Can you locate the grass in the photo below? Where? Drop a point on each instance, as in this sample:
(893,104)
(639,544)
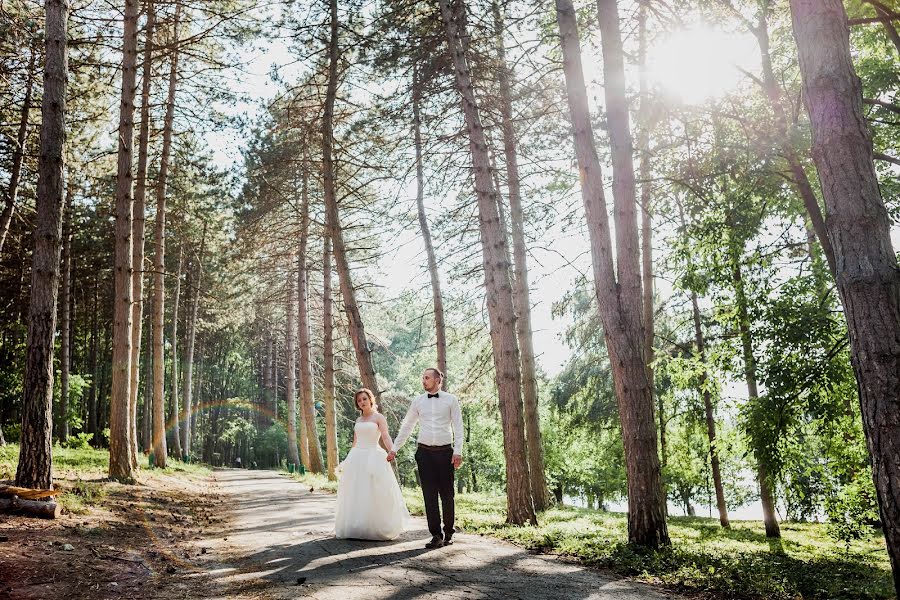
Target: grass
(704,558)
(736,563)
(82,473)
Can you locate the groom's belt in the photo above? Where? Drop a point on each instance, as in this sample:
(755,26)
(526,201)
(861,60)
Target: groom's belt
(433,448)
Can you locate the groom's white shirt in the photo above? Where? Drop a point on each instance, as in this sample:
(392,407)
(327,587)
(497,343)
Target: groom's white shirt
(436,417)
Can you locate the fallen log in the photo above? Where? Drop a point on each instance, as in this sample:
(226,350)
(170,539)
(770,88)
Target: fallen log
(27,493)
(31,508)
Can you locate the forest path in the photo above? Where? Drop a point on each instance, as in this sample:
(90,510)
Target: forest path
(278,532)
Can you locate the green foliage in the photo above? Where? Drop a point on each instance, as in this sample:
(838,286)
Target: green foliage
(851,512)
(79,441)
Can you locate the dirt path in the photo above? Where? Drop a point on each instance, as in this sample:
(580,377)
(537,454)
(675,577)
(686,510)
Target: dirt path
(279,535)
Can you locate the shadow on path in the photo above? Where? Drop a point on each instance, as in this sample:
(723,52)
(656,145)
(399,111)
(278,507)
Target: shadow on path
(279,544)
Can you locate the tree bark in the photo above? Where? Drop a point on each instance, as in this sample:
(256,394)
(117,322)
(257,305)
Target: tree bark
(766,495)
(495,262)
(174,404)
(65,339)
(147,420)
(619,302)
(160,450)
(351,307)
(93,366)
(331,443)
(138,225)
(15,175)
(291,368)
(440,327)
(35,466)
(867,276)
(644,174)
(307,405)
(189,352)
(121,460)
(540,492)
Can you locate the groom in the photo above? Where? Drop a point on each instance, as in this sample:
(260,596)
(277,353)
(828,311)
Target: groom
(438,453)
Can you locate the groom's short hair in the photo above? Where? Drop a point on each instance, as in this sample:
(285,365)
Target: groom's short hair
(437,372)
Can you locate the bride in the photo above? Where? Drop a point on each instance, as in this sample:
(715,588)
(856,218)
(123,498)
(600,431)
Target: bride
(370,505)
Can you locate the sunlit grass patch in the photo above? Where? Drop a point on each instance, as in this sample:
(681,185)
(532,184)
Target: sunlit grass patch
(316,481)
(737,563)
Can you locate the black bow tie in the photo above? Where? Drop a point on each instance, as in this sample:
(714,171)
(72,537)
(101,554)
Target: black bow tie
(434,395)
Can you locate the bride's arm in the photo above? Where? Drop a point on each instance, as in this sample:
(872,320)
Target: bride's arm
(385,435)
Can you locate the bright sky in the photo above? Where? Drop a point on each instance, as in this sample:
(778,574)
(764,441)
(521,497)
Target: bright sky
(683,64)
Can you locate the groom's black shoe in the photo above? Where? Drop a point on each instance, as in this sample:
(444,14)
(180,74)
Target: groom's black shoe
(448,539)
(436,542)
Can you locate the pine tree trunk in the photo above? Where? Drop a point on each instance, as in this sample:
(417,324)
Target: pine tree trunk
(331,443)
(15,175)
(440,326)
(619,302)
(35,468)
(174,404)
(92,420)
(147,419)
(501,310)
(307,405)
(121,460)
(160,450)
(65,338)
(766,495)
(291,368)
(644,175)
(189,353)
(859,226)
(138,225)
(521,293)
(348,292)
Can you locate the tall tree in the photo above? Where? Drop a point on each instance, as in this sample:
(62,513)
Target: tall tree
(351,307)
(291,367)
(618,294)
(521,292)
(15,174)
(307,406)
(495,262)
(140,219)
(859,227)
(35,468)
(188,394)
(121,460)
(174,403)
(65,339)
(160,451)
(440,326)
(331,445)
(766,494)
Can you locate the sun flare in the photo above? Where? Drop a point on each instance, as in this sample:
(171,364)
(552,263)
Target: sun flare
(701,62)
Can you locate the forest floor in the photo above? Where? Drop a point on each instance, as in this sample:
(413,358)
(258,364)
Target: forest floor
(112,540)
(188,532)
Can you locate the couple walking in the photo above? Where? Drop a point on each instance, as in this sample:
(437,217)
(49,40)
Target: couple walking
(370,505)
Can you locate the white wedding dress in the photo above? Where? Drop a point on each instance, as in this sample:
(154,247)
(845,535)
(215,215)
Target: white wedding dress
(370,505)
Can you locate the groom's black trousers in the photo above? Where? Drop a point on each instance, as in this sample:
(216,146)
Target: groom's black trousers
(436,474)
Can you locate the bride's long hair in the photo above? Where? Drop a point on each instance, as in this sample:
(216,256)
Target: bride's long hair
(368,393)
